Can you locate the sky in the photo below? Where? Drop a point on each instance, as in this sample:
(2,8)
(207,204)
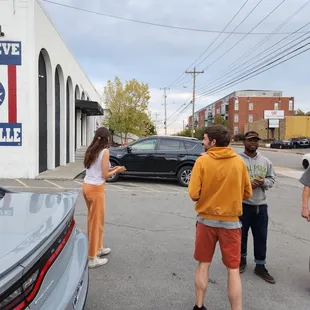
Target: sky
(159,56)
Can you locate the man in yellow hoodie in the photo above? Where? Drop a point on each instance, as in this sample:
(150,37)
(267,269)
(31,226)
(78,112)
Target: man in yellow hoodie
(219,183)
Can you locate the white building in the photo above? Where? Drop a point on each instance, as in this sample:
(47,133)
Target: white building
(48,106)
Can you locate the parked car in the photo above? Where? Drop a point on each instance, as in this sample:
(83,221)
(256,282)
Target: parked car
(43,256)
(305,160)
(158,156)
(281,144)
(300,142)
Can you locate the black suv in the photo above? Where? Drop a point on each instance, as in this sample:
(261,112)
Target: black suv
(158,156)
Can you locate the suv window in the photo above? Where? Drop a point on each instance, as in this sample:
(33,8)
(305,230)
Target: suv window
(189,145)
(144,145)
(171,145)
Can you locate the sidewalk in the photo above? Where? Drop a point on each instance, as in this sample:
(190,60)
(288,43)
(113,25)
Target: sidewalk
(292,151)
(288,172)
(68,172)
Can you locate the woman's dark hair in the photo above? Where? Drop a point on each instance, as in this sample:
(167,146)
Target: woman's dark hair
(100,142)
(219,133)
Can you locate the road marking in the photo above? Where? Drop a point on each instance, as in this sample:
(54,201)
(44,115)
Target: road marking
(171,188)
(140,186)
(47,181)
(118,187)
(38,187)
(22,183)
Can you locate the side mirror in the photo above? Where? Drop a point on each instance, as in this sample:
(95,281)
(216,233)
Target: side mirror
(129,149)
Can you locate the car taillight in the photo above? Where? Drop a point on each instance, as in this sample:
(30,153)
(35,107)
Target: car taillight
(19,296)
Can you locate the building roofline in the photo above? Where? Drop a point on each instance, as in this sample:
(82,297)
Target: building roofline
(236,91)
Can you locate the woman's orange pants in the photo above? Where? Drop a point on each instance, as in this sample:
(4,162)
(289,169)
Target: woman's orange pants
(95,201)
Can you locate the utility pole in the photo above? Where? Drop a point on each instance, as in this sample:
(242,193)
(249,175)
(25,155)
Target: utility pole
(156,120)
(165,104)
(194,74)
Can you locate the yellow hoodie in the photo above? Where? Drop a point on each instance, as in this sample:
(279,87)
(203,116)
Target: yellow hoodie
(219,182)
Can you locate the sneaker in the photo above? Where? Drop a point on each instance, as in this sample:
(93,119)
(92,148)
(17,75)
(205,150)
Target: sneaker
(96,262)
(202,308)
(103,251)
(262,272)
(242,264)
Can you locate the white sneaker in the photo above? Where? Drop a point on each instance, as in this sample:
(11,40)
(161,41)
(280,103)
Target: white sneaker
(103,251)
(96,262)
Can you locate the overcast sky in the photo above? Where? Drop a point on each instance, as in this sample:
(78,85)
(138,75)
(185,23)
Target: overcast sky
(106,47)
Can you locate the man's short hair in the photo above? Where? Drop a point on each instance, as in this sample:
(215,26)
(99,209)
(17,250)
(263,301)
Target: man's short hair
(219,133)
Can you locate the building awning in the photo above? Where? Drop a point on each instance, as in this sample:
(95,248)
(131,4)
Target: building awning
(89,107)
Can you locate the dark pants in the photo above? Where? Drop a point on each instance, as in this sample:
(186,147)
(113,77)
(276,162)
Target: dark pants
(255,217)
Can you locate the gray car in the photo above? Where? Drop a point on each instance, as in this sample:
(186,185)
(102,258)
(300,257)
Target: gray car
(43,256)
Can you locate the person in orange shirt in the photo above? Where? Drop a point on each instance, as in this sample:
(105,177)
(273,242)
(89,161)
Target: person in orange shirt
(218,185)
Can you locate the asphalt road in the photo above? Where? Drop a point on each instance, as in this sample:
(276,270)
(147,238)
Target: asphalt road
(151,228)
(280,158)
(152,239)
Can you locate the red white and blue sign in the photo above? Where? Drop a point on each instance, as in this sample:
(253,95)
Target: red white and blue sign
(10,53)
(2,93)
(10,129)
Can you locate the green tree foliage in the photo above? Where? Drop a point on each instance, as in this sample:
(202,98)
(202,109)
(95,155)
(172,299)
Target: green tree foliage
(150,129)
(128,105)
(199,132)
(221,121)
(300,112)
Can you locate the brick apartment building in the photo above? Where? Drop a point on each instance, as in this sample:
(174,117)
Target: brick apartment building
(242,107)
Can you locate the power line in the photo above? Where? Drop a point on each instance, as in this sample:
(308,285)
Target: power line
(248,33)
(253,9)
(180,113)
(223,74)
(246,17)
(233,18)
(154,24)
(256,72)
(263,59)
(245,35)
(235,72)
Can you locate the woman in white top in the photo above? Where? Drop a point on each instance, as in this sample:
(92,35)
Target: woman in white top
(98,170)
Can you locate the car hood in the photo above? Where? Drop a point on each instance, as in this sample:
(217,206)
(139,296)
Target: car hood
(27,220)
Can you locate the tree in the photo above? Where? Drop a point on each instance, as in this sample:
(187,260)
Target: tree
(221,121)
(128,105)
(199,132)
(300,112)
(150,129)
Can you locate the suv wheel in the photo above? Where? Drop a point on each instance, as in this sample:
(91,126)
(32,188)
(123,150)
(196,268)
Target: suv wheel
(305,163)
(114,177)
(184,175)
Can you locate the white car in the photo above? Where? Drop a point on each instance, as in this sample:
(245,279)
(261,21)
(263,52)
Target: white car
(305,160)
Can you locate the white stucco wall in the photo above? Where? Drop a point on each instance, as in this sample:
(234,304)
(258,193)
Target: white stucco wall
(26,21)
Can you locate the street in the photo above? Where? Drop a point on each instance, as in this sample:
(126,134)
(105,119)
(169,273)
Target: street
(150,227)
(280,158)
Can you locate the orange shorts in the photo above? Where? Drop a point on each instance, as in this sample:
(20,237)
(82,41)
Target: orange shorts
(230,244)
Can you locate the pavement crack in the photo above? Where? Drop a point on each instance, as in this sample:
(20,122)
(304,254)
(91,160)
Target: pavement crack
(284,232)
